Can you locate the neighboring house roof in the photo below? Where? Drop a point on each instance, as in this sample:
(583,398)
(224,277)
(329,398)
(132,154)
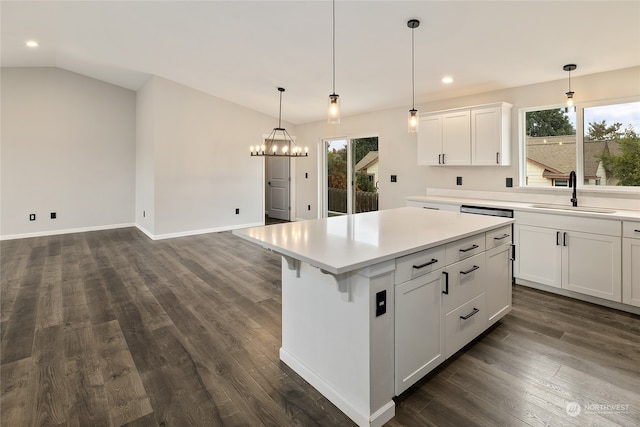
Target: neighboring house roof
(367,161)
(557,154)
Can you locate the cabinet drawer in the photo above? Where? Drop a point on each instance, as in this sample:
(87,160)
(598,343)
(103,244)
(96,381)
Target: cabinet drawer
(631,229)
(464,324)
(423,262)
(465,281)
(465,248)
(500,236)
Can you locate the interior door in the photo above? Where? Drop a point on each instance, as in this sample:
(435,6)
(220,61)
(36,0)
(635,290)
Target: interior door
(277,189)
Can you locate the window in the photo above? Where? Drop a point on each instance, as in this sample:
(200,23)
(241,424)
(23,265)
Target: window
(600,142)
(611,145)
(550,144)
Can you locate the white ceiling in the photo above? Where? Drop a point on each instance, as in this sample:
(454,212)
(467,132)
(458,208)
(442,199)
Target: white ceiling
(242,51)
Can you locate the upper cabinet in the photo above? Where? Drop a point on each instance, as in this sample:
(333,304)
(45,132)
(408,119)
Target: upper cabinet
(467,136)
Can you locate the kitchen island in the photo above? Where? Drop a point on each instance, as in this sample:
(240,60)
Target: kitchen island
(372,302)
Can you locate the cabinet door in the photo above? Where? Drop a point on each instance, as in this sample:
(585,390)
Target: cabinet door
(538,255)
(631,271)
(430,140)
(486,134)
(456,138)
(592,264)
(498,280)
(419,343)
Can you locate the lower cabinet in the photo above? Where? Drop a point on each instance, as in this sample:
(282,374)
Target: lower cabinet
(418,328)
(498,280)
(631,263)
(464,324)
(578,254)
(439,311)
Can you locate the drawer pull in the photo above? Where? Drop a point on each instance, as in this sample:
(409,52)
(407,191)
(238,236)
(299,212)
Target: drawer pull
(637,231)
(474,311)
(469,249)
(474,268)
(433,261)
(500,238)
(557,238)
(429,207)
(446,283)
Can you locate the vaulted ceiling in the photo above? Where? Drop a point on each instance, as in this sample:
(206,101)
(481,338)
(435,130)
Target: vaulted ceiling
(241,51)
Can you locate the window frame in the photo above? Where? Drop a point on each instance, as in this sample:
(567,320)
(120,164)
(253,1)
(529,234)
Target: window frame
(579,167)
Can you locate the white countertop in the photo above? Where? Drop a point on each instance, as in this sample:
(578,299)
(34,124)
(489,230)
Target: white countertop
(345,243)
(615,214)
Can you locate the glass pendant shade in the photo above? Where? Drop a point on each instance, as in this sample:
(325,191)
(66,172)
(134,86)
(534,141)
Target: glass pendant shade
(413,121)
(569,99)
(333,115)
(569,68)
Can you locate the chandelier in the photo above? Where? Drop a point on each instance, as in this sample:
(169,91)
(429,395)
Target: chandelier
(279,143)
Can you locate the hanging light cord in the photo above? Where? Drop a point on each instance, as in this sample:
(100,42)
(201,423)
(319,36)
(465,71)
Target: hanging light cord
(280,109)
(334,46)
(413,72)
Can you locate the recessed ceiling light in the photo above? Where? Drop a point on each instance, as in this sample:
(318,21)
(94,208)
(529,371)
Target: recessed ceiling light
(32,43)
(447,79)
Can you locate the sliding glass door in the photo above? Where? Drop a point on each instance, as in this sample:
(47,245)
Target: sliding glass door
(351,167)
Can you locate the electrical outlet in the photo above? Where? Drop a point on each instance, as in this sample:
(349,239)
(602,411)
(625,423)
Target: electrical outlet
(394,178)
(509,182)
(237,211)
(32,217)
(53,215)
(458,180)
(381,303)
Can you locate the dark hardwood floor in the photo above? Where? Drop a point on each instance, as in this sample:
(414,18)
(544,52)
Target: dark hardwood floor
(110,328)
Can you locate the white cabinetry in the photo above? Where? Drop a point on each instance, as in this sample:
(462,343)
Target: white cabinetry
(631,263)
(441,300)
(477,135)
(490,139)
(456,137)
(418,329)
(498,274)
(574,253)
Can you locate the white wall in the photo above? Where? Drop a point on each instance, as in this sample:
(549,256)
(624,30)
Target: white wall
(398,148)
(145,167)
(202,170)
(67,146)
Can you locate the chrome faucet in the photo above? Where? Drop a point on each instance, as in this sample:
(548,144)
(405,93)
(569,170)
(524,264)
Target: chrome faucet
(573,183)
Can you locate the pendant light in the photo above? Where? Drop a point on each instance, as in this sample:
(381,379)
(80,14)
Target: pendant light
(279,143)
(334,99)
(569,68)
(413,113)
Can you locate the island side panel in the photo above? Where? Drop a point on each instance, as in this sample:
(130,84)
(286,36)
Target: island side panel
(334,340)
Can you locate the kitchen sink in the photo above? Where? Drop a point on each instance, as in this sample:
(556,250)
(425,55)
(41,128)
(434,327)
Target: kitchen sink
(575,208)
